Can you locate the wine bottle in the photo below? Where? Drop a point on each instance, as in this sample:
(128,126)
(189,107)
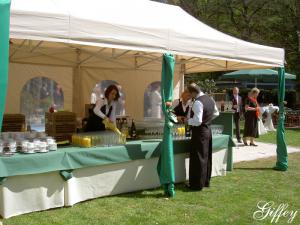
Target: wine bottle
(187,131)
(133,130)
(119,123)
(125,127)
(222,106)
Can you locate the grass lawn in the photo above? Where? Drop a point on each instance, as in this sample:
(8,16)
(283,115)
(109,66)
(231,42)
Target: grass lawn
(230,200)
(292,137)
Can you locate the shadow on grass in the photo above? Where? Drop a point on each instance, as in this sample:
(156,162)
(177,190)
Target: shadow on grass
(253,168)
(155,192)
(149,193)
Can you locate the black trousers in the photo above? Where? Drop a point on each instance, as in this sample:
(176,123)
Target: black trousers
(200,157)
(237,118)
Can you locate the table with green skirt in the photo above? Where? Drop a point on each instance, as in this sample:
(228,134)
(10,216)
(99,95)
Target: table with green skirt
(34,182)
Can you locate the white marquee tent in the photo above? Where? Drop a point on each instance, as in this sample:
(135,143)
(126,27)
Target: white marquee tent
(79,43)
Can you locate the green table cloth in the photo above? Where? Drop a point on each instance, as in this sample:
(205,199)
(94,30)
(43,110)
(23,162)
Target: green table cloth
(69,158)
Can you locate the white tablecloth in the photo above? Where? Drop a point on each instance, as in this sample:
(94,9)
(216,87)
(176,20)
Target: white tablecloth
(29,193)
(94,182)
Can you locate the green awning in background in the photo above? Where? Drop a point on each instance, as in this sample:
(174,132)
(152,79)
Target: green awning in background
(4,50)
(259,74)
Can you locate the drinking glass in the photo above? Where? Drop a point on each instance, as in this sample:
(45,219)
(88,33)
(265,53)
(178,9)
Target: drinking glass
(25,145)
(12,145)
(182,132)
(176,132)
(5,135)
(30,147)
(1,146)
(105,143)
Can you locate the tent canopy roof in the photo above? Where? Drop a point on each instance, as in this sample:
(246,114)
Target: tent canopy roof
(138,26)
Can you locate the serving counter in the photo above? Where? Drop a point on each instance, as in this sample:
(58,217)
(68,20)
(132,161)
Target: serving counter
(34,182)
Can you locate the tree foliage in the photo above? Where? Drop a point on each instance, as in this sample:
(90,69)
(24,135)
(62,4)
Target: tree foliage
(269,22)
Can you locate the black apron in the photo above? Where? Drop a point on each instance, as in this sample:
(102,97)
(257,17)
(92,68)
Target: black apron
(94,122)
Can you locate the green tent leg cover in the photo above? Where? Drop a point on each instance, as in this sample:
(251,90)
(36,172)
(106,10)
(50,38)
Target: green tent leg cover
(165,167)
(4,49)
(282,157)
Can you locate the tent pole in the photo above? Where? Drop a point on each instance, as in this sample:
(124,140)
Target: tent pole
(76,86)
(182,72)
(282,156)
(4,53)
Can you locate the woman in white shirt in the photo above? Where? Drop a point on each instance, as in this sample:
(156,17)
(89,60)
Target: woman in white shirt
(104,109)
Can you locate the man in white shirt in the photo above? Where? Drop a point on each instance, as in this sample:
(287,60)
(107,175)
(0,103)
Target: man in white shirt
(204,110)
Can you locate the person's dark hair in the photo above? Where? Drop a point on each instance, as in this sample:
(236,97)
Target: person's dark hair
(193,88)
(109,89)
